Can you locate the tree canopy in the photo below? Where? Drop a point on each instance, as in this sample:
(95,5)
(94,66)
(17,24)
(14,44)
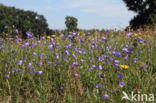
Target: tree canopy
(12,18)
(71,23)
(146,12)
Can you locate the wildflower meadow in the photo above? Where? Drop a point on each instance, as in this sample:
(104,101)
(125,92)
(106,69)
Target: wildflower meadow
(78,67)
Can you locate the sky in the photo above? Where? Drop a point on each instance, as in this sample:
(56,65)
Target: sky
(91,14)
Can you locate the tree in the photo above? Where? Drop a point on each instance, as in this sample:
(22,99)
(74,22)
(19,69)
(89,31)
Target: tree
(71,23)
(145,10)
(12,18)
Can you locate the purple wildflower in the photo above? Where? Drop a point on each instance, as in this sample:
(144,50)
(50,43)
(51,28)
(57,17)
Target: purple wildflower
(101,58)
(40,63)
(76,75)
(121,84)
(74,56)
(43,37)
(66,47)
(16,31)
(39,72)
(105,97)
(20,62)
(70,37)
(130,48)
(7,76)
(110,59)
(18,70)
(109,47)
(34,44)
(141,40)
(19,40)
(34,54)
(30,65)
(91,68)
(67,52)
(88,33)
(61,88)
(116,65)
(30,47)
(57,44)
(81,40)
(56,30)
(9,61)
(138,30)
(103,38)
(145,66)
(50,47)
(62,36)
(120,76)
(84,51)
(116,61)
(117,54)
(12,70)
(51,39)
(98,85)
(22,46)
(81,60)
(57,55)
(10,39)
(74,34)
(69,45)
(113,52)
(100,67)
(29,35)
(26,44)
(129,34)
(125,50)
(75,64)
(56,63)
(41,55)
(107,31)
(39,41)
(80,52)
(134,60)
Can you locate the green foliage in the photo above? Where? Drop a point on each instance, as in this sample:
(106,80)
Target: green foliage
(12,18)
(146,12)
(71,23)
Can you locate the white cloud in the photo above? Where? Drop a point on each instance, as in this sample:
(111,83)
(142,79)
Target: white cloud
(110,11)
(106,8)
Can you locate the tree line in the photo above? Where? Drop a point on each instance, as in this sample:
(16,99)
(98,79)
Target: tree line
(12,18)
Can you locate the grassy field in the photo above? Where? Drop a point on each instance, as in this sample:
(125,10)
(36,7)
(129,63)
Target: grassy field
(78,68)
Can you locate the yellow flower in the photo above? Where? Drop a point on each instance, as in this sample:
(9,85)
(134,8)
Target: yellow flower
(135,34)
(6,34)
(124,66)
(48,37)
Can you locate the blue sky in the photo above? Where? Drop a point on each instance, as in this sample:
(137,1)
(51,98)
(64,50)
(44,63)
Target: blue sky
(90,13)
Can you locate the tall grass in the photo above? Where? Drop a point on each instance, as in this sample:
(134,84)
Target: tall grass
(82,68)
